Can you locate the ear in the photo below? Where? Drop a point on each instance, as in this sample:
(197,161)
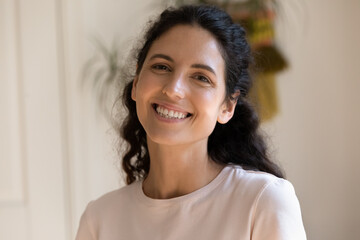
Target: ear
(133,90)
(227,109)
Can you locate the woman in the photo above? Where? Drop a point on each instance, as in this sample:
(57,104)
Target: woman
(191,134)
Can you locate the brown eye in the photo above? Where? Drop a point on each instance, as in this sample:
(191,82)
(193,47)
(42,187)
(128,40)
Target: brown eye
(202,78)
(161,67)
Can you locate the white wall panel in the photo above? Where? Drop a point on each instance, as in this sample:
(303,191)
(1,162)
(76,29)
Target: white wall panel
(34,188)
(14,221)
(45,146)
(11,122)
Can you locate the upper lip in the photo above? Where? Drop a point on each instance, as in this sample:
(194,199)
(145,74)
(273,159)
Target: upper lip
(171,107)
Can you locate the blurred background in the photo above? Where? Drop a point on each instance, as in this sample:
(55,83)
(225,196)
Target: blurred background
(58,150)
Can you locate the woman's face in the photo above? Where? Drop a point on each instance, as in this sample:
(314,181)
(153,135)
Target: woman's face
(180,90)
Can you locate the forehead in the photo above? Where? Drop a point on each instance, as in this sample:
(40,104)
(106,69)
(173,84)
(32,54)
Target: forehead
(188,43)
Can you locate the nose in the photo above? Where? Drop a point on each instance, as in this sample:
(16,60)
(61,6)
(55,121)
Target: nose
(175,87)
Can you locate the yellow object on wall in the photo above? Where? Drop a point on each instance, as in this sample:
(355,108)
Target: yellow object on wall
(264,95)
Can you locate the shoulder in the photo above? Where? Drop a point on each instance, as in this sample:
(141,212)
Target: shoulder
(101,211)
(257,182)
(267,190)
(111,202)
(275,207)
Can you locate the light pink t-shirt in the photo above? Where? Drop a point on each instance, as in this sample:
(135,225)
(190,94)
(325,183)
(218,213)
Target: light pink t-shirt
(238,204)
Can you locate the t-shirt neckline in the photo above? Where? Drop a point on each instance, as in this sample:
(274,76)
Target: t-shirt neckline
(187,197)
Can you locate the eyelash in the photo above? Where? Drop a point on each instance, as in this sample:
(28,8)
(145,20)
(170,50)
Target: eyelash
(202,78)
(161,67)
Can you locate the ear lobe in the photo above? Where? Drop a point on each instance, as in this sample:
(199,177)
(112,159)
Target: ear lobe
(133,90)
(227,109)
(226,112)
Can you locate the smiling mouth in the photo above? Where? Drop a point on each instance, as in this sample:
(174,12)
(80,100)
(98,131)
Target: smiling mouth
(170,114)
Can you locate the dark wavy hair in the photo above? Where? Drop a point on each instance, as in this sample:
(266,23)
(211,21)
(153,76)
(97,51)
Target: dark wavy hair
(238,141)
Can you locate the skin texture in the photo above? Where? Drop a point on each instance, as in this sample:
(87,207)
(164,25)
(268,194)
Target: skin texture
(183,72)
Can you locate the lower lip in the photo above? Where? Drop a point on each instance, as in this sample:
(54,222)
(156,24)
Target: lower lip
(168,120)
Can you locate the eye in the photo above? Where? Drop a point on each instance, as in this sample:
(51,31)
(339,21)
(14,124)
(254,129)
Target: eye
(202,78)
(161,67)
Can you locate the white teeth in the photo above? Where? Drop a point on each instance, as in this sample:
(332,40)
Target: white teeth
(169,113)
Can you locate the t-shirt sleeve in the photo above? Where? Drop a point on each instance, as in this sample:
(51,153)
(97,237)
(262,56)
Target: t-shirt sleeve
(277,213)
(86,226)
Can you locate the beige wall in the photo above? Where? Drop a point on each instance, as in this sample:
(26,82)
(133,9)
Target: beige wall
(316,135)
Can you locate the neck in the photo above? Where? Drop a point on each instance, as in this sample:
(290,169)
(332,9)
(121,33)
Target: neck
(178,170)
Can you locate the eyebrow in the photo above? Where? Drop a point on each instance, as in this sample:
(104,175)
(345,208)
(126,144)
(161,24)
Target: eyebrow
(196,65)
(159,55)
(203,66)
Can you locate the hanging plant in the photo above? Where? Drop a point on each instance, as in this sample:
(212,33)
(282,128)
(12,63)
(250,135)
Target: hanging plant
(101,72)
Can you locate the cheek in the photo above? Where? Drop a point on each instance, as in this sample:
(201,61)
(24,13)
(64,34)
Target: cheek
(145,89)
(211,102)
(209,106)
(146,84)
